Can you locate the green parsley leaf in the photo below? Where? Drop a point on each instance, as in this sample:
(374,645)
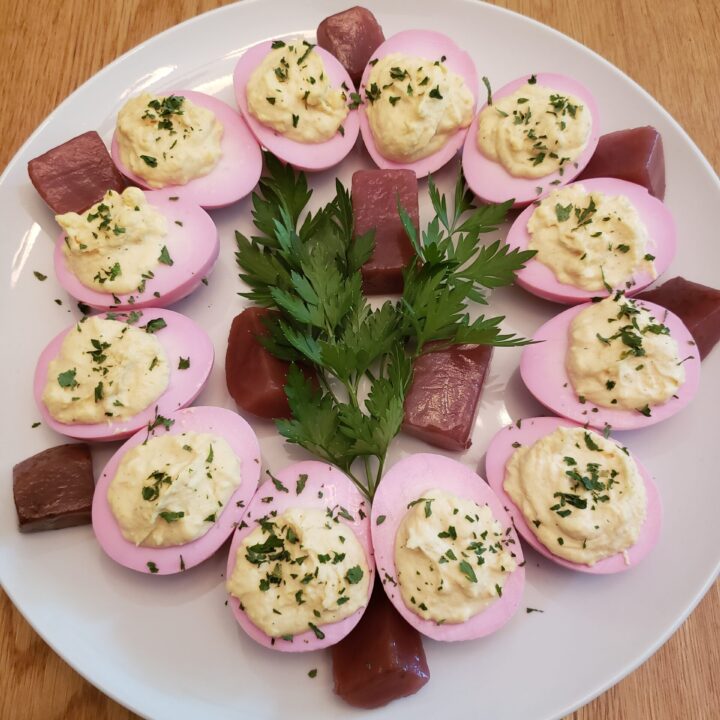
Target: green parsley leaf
(354,575)
(467,570)
(154,325)
(165,258)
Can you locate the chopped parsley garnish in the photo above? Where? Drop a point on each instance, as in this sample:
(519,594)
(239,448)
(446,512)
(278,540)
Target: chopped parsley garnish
(309,47)
(645,410)
(154,325)
(149,160)
(39,275)
(183,363)
(164,257)
(590,443)
(467,570)
(67,379)
(563,213)
(486,82)
(380,520)
(354,575)
(170,516)
(278,485)
(373,93)
(277,44)
(152,567)
(319,634)
(435,93)
(300,484)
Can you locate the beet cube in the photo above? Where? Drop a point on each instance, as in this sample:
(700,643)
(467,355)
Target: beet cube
(442,402)
(375,196)
(352,36)
(54,489)
(698,306)
(634,155)
(381,660)
(75,175)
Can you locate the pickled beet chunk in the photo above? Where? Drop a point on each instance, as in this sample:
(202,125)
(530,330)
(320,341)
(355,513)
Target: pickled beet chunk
(74,176)
(54,489)
(634,155)
(255,378)
(698,306)
(382,659)
(352,36)
(443,399)
(375,196)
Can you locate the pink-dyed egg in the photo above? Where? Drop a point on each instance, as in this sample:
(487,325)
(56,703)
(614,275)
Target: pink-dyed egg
(180,338)
(530,431)
(321,486)
(193,246)
(305,156)
(540,280)
(404,483)
(492,183)
(542,368)
(236,173)
(431,45)
(176,558)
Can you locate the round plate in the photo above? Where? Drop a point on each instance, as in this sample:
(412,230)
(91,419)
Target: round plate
(107,621)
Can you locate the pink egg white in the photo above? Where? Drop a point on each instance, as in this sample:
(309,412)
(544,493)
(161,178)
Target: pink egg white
(236,173)
(308,484)
(530,430)
(433,46)
(542,368)
(180,338)
(492,183)
(403,484)
(192,244)
(305,156)
(178,558)
(540,280)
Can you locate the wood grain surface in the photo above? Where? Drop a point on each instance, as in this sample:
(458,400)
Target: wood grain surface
(669,46)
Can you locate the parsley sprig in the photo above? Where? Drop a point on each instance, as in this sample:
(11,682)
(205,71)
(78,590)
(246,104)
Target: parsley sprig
(307,266)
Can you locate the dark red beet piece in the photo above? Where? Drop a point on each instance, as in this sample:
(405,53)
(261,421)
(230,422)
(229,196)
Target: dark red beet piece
(255,378)
(442,402)
(375,195)
(75,175)
(381,660)
(352,36)
(54,488)
(698,306)
(634,155)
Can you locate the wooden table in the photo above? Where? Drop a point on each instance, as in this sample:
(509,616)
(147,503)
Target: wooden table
(49,47)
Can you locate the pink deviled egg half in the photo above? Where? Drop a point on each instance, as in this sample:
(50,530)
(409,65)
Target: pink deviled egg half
(432,46)
(304,156)
(236,173)
(177,558)
(193,246)
(180,337)
(492,183)
(529,431)
(403,484)
(540,280)
(542,368)
(307,484)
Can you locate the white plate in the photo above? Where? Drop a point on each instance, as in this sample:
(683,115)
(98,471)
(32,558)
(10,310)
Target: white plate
(168,647)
